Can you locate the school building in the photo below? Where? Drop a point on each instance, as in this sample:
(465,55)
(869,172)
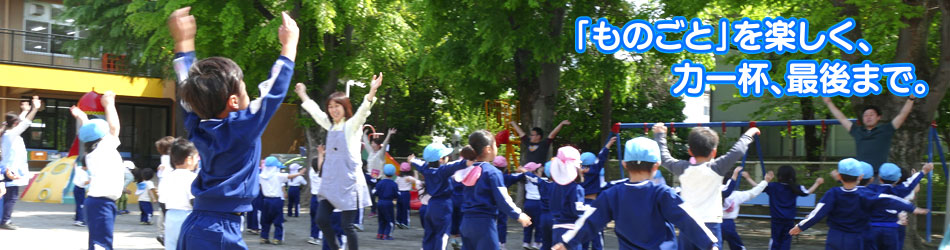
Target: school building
(33,61)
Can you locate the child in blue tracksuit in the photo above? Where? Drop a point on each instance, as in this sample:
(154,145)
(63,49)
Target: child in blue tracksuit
(438,215)
(567,197)
(458,197)
(545,186)
(643,211)
(849,208)
(386,191)
(593,168)
(783,197)
(101,140)
(272,183)
(253,217)
(885,233)
(510,179)
(226,128)
(293,192)
(485,195)
(532,206)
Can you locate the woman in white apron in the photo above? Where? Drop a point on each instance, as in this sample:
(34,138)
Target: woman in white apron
(343,186)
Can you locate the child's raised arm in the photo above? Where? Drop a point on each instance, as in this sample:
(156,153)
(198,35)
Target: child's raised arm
(288,34)
(814,187)
(747,177)
(182,26)
(78,114)
(666,159)
(112,117)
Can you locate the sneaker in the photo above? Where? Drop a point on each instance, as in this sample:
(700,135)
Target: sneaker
(387,237)
(277,242)
(359,228)
(313,241)
(402,226)
(124,212)
(372,215)
(79,224)
(265,241)
(526,246)
(254,231)
(160,239)
(9,226)
(379,236)
(503,247)
(536,245)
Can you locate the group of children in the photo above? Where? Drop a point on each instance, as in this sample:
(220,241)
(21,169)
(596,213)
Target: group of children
(216,179)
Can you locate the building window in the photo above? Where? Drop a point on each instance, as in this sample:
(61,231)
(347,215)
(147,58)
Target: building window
(46,34)
(54,128)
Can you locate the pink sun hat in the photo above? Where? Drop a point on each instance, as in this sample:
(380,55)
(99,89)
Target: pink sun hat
(565,165)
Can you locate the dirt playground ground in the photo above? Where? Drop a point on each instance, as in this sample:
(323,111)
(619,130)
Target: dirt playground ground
(49,226)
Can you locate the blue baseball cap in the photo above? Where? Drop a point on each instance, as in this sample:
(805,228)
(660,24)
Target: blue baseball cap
(850,166)
(547,169)
(434,152)
(389,169)
(271,161)
(890,172)
(867,170)
(588,158)
(641,149)
(93,130)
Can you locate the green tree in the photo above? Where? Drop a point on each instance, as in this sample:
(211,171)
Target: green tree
(908,32)
(341,40)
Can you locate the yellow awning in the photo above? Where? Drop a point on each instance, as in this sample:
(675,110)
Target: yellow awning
(78,81)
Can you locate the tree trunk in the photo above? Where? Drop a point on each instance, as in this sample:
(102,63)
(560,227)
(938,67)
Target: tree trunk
(813,147)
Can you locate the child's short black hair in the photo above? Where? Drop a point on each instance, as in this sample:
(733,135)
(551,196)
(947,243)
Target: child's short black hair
(164,144)
(209,84)
(181,149)
(702,141)
(864,182)
(144,174)
(637,167)
(848,178)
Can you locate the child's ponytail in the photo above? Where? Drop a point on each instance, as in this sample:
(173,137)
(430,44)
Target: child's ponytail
(468,153)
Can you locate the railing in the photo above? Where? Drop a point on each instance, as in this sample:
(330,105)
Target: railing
(48,50)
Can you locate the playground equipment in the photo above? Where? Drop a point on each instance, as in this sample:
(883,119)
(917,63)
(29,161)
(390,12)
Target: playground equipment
(933,144)
(54,182)
(500,114)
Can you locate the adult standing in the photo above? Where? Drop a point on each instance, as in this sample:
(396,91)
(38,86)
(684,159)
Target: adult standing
(343,186)
(536,147)
(873,138)
(15,156)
